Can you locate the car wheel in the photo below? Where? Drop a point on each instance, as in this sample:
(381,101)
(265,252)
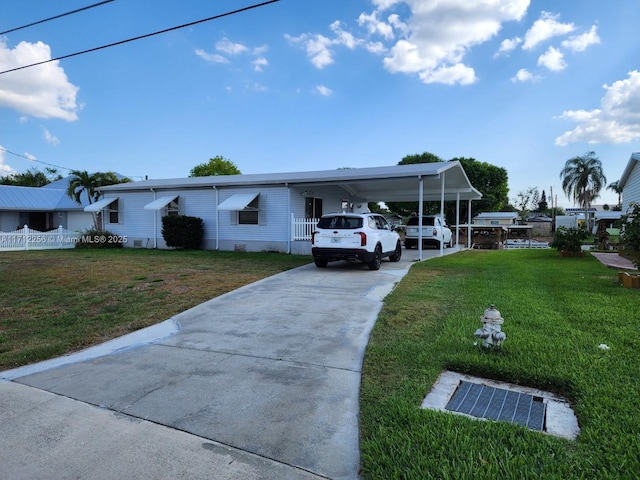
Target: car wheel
(377,259)
(321,262)
(397,254)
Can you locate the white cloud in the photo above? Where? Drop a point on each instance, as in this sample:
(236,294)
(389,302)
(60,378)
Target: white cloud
(617,121)
(211,57)
(507,46)
(42,91)
(580,43)
(553,59)
(230,48)
(430,41)
(4,168)
(524,75)
(546,27)
(258,63)
(324,91)
(51,139)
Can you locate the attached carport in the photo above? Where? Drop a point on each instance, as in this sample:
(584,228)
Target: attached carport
(442,181)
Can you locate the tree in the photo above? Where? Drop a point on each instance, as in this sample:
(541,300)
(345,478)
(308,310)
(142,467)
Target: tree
(615,186)
(582,179)
(543,206)
(215,166)
(526,200)
(490,180)
(31,178)
(84,182)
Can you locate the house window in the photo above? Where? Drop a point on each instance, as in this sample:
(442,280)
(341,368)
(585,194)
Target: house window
(173,207)
(251,213)
(113,212)
(313,207)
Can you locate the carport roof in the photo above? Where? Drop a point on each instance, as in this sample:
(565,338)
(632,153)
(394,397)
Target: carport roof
(392,184)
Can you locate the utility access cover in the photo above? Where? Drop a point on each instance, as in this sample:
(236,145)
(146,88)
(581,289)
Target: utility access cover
(486,399)
(493,403)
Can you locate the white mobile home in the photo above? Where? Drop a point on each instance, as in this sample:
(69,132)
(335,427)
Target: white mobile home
(630,182)
(270,212)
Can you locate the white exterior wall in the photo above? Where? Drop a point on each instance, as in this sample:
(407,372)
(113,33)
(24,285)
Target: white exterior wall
(79,221)
(631,192)
(9,221)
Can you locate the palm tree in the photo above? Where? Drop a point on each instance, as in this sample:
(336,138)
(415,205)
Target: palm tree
(84,182)
(582,179)
(615,186)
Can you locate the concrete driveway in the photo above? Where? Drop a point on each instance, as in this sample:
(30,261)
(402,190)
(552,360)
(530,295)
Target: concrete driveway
(260,383)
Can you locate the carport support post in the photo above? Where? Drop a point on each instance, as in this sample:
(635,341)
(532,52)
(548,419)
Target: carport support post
(420,210)
(457,218)
(469,224)
(442,213)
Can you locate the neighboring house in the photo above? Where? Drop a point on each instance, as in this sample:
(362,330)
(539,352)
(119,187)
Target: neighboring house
(270,212)
(496,218)
(630,182)
(41,208)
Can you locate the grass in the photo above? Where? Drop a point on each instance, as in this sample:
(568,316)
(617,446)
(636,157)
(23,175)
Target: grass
(556,314)
(58,301)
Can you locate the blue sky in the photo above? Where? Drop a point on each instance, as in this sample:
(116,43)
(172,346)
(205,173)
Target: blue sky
(303,85)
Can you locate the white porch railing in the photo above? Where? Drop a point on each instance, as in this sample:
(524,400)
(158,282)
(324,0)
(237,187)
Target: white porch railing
(28,239)
(301,228)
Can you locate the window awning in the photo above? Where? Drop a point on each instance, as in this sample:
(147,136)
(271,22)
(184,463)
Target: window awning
(238,201)
(100,204)
(160,203)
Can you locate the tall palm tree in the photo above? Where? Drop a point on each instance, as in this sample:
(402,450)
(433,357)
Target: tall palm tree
(582,179)
(615,186)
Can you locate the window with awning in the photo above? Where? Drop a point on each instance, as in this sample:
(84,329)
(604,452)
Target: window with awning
(169,202)
(100,204)
(238,201)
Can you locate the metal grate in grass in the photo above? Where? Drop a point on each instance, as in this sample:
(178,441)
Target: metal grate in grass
(492,403)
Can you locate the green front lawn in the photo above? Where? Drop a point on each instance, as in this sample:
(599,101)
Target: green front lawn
(557,311)
(56,301)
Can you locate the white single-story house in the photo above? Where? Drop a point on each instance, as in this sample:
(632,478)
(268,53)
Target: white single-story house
(496,218)
(270,212)
(41,208)
(630,182)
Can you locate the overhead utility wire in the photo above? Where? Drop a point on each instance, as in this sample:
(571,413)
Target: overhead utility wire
(33,159)
(57,16)
(144,36)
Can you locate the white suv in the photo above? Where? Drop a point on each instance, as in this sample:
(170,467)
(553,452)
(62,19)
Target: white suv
(434,231)
(363,237)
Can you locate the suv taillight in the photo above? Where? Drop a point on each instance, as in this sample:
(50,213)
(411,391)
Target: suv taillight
(363,238)
(313,238)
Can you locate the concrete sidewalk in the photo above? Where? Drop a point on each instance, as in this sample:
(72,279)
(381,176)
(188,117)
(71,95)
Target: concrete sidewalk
(259,383)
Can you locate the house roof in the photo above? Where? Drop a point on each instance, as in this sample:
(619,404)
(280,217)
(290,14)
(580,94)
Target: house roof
(635,158)
(395,183)
(498,215)
(36,199)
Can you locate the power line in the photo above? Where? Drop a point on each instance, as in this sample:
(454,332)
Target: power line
(144,36)
(33,159)
(57,16)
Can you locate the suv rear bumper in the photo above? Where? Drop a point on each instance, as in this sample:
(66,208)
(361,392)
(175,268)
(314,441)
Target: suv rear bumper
(350,254)
(413,242)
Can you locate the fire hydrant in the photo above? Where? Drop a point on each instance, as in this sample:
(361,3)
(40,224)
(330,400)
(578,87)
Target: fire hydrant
(491,332)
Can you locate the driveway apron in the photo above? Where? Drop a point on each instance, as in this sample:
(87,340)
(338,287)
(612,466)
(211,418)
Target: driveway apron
(271,369)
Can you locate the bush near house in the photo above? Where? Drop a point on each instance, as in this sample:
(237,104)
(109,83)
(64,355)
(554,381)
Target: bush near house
(569,239)
(94,238)
(182,231)
(630,233)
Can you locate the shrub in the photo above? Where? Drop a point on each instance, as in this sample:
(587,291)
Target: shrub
(630,233)
(94,238)
(569,239)
(182,231)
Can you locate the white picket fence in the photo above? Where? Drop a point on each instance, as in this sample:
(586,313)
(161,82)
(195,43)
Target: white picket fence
(28,239)
(301,228)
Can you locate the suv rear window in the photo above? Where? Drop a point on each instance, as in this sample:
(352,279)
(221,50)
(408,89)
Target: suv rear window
(340,222)
(426,221)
